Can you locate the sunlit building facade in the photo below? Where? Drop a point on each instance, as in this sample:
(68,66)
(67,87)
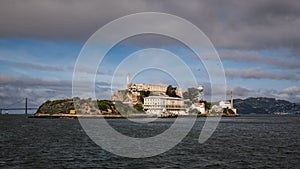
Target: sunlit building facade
(159,105)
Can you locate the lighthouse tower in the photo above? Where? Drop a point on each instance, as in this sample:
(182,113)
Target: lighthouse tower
(128,80)
(231,99)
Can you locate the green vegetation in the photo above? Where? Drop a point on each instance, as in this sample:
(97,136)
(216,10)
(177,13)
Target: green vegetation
(171,91)
(192,94)
(56,106)
(55,111)
(188,103)
(227,111)
(143,94)
(64,106)
(194,111)
(208,105)
(138,107)
(54,102)
(89,106)
(104,105)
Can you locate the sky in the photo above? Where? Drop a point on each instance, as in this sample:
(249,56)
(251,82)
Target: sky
(258,42)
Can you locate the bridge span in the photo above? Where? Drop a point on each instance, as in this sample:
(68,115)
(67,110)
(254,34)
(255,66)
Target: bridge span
(26,108)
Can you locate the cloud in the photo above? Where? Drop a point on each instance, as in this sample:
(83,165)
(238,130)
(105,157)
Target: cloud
(241,28)
(291,94)
(61,20)
(43,67)
(258,73)
(37,90)
(283,62)
(291,91)
(241,24)
(40,67)
(90,71)
(30,82)
(239,91)
(13,89)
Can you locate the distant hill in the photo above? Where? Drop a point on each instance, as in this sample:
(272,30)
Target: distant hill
(262,105)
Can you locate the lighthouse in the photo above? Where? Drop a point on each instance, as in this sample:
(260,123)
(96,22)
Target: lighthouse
(231,99)
(128,79)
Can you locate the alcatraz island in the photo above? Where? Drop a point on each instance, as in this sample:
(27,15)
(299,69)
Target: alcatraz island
(139,100)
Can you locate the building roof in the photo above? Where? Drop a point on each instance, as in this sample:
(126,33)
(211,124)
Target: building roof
(164,97)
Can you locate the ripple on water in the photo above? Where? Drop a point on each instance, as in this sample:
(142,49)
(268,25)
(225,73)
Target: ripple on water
(243,142)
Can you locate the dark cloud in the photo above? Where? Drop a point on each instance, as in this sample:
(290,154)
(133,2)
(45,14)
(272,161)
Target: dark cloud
(13,89)
(37,90)
(258,73)
(20,82)
(256,24)
(66,20)
(283,62)
(240,26)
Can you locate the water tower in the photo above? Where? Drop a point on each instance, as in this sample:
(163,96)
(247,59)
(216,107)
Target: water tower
(200,93)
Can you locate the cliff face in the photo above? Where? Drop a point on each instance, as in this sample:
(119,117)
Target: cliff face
(261,105)
(128,96)
(121,95)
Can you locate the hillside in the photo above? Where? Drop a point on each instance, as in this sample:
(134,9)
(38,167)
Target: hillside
(262,105)
(87,106)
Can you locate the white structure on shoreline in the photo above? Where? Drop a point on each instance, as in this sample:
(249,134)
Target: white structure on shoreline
(225,104)
(200,93)
(160,105)
(228,104)
(199,106)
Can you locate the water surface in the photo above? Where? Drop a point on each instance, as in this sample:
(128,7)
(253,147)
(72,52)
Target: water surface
(242,142)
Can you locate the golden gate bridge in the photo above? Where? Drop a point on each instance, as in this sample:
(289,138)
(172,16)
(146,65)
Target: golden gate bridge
(25,108)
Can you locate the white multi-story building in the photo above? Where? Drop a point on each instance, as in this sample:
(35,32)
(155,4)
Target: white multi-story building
(160,105)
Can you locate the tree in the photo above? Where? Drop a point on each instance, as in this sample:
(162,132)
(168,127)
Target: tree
(138,107)
(143,94)
(103,105)
(171,91)
(192,94)
(208,105)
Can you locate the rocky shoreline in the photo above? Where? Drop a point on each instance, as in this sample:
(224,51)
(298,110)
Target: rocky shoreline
(87,116)
(39,115)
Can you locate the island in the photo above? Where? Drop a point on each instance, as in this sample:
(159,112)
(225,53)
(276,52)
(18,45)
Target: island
(140,100)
